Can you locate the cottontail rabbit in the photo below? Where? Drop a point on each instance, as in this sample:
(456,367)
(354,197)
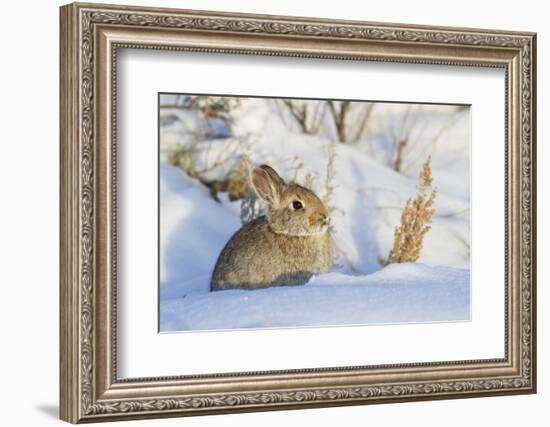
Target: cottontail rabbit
(285,247)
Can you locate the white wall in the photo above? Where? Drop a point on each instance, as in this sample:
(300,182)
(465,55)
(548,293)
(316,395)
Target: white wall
(29,212)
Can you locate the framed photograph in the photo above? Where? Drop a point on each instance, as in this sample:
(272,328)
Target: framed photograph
(267,212)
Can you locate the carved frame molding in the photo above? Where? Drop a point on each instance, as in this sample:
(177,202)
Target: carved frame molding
(90,37)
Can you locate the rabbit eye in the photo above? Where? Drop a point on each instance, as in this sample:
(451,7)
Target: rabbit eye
(297,205)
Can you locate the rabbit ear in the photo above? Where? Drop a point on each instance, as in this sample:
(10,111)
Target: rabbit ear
(267,184)
(273,175)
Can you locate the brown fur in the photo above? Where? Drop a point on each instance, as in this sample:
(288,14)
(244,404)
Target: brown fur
(286,247)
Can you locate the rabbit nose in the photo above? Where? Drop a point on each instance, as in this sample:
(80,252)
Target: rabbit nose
(325,220)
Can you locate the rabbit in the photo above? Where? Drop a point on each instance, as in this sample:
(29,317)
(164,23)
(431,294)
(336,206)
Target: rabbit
(287,246)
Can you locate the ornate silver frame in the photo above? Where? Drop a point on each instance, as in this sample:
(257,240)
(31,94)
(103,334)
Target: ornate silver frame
(90,36)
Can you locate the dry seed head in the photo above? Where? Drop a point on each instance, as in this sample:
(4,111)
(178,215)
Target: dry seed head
(416,219)
(425,178)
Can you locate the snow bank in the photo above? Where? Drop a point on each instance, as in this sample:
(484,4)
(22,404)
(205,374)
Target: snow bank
(193,230)
(397,294)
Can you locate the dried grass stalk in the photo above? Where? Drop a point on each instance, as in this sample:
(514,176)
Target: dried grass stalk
(416,220)
(329,182)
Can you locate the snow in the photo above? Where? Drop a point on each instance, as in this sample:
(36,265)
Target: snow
(191,223)
(367,202)
(396,294)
